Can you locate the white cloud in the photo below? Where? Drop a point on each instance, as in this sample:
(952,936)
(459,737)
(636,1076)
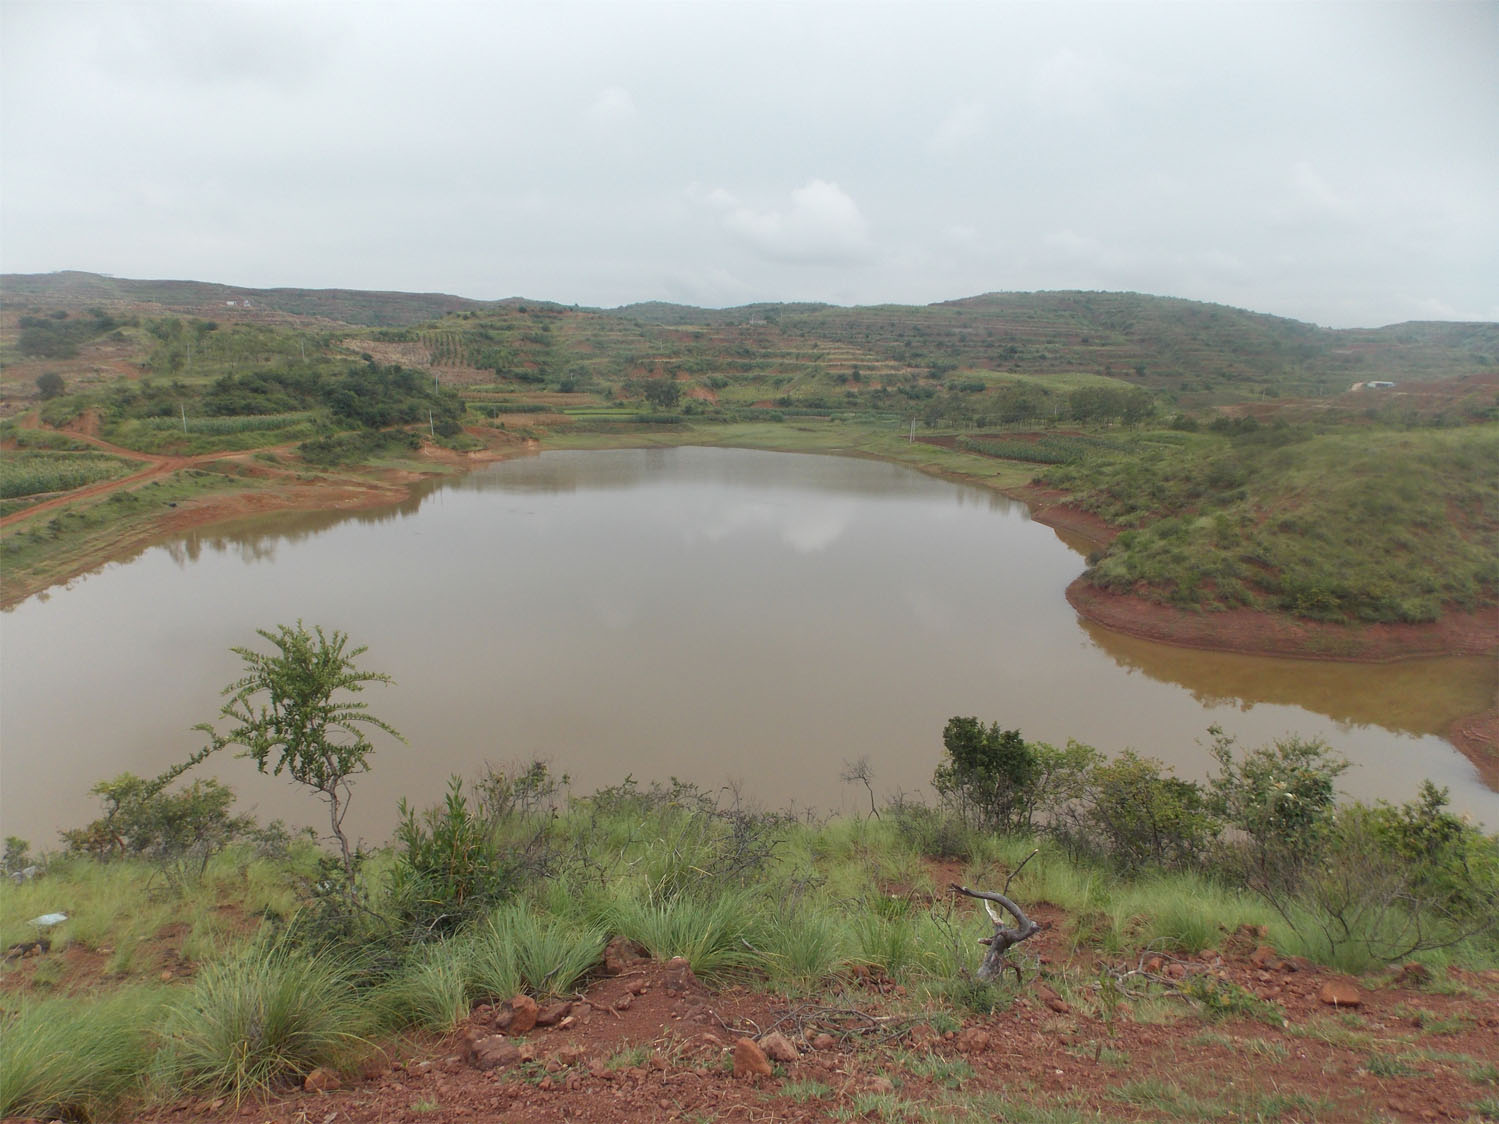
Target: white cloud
(822,226)
(963,124)
(613,106)
(1312,189)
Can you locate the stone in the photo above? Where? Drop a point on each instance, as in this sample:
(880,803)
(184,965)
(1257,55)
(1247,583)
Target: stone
(1339,993)
(824,1041)
(523,1012)
(493,1052)
(375,1066)
(974,1041)
(1413,974)
(621,954)
(1264,957)
(679,977)
(1154,965)
(779,1048)
(321,1080)
(553,1013)
(750,1060)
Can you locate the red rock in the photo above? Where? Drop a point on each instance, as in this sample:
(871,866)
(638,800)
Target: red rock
(1153,965)
(493,1052)
(553,1013)
(679,977)
(621,953)
(824,1041)
(974,1041)
(1339,993)
(374,1067)
(750,1060)
(321,1080)
(778,1048)
(523,1012)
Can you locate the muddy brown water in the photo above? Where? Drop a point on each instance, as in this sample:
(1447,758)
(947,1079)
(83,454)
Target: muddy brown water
(723,616)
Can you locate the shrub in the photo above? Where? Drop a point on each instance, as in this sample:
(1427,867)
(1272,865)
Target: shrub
(142,818)
(1280,797)
(1395,881)
(450,866)
(1140,817)
(988,775)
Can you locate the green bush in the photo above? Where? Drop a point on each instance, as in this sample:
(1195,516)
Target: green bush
(449,867)
(1140,818)
(1281,799)
(988,774)
(142,818)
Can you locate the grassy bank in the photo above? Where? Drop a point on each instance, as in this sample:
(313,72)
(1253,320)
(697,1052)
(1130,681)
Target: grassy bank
(190,964)
(1368,525)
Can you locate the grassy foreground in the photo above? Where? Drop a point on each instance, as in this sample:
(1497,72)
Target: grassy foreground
(278,967)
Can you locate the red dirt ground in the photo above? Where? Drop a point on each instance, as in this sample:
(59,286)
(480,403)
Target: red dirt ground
(1392,1048)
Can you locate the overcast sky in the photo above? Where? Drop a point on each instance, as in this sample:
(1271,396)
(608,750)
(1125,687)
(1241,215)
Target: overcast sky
(1337,163)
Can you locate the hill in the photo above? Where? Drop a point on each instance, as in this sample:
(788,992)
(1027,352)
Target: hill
(1193,352)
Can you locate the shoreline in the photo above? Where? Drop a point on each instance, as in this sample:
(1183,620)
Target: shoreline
(1236,631)
(1253,633)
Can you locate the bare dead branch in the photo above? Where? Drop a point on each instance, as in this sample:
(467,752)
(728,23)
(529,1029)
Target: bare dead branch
(1004,937)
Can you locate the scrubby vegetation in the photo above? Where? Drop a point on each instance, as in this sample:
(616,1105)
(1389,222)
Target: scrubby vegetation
(1227,446)
(1342,525)
(513,885)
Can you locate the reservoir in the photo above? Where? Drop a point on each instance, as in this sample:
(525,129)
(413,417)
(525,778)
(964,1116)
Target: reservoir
(733,618)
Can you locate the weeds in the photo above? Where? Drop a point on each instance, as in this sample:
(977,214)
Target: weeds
(269,1014)
(76,1059)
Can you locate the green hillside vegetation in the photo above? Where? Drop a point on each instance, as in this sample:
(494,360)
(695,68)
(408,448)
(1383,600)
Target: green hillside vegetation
(1366,525)
(1226,443)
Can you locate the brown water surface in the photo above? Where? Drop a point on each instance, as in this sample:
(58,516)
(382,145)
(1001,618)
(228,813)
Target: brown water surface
(716,615)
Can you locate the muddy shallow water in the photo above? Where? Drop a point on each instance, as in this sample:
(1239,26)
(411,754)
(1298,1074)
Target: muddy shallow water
(717,615)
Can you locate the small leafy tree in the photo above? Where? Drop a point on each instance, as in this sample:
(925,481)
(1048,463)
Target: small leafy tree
(1141,816)
(49,385)
(292,715)
(1282,798)
(988,774)
(142,818)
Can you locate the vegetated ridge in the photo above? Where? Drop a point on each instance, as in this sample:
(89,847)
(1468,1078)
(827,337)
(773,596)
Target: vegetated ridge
(1248,482)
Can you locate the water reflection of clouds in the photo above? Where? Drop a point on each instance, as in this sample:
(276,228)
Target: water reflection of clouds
(807,528)
(932,611)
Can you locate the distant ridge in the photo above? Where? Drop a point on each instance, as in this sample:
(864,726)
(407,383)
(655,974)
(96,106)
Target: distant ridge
(349,306)
(1164,343)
